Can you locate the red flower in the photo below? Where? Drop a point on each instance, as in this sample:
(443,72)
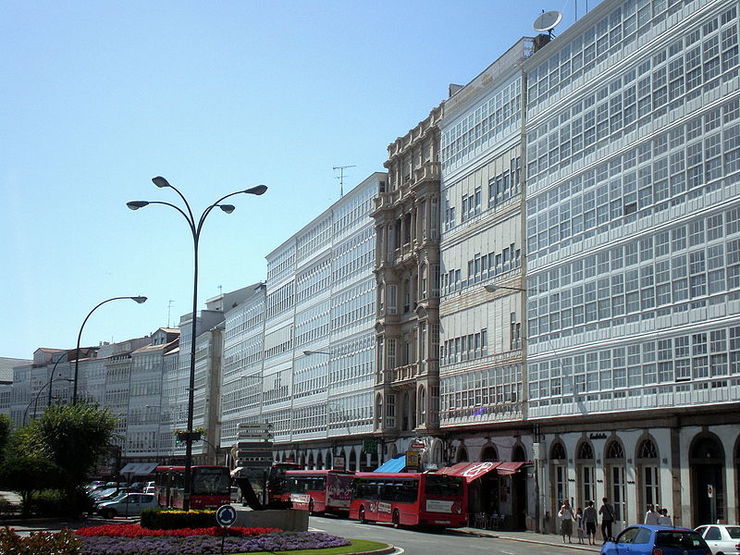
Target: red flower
(136,531)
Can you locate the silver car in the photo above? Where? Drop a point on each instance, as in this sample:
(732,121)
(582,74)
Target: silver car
(130,504)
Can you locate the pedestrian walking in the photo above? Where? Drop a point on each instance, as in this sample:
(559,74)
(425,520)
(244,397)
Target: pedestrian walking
(566,521)
(607,519)
(651,516)
(589,520)
(579,525)
(664,519)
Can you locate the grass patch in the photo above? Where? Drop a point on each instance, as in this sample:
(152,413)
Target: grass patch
(357,546)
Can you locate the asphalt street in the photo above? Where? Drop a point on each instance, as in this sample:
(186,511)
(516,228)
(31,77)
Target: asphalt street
(420,542)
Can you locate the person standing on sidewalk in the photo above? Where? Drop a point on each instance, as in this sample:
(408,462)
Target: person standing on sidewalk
(607,519)
(566,521)
(589,522)
(651,516)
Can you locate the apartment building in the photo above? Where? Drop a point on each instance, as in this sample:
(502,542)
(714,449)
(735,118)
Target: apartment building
(482,306)
(319,350)
(406,216)
(633,259)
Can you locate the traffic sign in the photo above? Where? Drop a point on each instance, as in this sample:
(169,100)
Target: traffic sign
(225,515)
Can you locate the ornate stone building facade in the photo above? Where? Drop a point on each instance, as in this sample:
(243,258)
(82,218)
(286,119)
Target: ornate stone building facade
(407,270)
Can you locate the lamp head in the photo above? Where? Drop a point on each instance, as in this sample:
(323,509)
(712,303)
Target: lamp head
(139,300)
(228,208)
(136,204)
(258,190)
(160,182)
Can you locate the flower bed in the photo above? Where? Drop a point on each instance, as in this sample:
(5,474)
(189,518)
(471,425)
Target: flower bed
(136,531)
(134,540)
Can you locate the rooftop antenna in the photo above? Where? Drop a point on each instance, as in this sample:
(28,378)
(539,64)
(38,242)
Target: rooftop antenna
(341,177)
(547,21)
(169,310)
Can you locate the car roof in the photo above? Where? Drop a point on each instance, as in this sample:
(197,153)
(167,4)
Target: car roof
(661,527)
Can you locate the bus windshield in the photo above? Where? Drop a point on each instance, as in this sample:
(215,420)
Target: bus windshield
(443,486)
(211,481)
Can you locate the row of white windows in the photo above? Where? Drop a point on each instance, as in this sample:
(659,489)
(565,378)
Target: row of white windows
(498,385)
(496,116)
(683,358)
(609,39)
(481,268)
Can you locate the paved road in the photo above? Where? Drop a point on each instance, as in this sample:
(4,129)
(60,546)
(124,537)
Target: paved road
(415,542)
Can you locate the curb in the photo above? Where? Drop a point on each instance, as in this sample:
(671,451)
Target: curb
(485,534)
(577,547)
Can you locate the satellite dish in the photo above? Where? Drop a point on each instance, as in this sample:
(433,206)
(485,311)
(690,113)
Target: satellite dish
(547,21)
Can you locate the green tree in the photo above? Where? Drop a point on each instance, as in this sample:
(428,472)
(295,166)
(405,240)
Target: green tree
(74,437)
(5,428)
(26,468)
(57,450)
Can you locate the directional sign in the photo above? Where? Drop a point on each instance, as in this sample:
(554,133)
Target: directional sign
(226,515)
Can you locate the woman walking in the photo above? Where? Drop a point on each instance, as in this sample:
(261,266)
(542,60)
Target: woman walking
(566,521)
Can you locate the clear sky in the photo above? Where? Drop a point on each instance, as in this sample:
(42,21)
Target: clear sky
(98,97)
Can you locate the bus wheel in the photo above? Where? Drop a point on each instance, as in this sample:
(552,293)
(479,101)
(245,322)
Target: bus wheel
(396,518)
(363,520)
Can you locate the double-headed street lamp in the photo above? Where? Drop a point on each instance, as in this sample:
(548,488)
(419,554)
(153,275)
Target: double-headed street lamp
(79,336)
(195,230)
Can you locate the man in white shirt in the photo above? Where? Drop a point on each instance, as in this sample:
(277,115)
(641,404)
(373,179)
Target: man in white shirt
(664,519)
(651,517)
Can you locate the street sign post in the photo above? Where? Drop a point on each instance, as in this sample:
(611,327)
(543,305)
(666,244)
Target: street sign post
(225,517)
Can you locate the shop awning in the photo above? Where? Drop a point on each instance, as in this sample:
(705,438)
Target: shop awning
(396,464)
(509,468)
(469,471)
(139,469)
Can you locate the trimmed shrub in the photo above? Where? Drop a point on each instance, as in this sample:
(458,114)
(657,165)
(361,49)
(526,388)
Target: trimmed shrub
(60,543)
(157,519)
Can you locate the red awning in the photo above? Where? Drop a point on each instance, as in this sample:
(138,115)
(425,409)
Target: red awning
(509,468)
(470,471)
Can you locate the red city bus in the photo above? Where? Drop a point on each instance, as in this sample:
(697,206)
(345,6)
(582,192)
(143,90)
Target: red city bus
(320,491)
(409,499)
(209,486)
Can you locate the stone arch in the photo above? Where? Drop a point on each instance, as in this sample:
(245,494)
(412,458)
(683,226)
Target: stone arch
(422,405)
(489,453)
(519,453)
(615,474)
(707,469)
(647,466)
(558,469)
(585,472)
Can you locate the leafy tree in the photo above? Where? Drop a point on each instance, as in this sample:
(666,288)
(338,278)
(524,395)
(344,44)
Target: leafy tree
(74,437)
(59,449)
(5,427)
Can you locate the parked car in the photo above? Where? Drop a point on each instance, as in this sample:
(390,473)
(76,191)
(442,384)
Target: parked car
(644,539)
(722,539)
(109,495)
(129,504)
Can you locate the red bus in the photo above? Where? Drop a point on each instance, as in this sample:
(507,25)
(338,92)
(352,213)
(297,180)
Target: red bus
(209,486)
(320,491)
(409,499)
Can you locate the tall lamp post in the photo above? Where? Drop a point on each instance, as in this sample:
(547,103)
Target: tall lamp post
(195,230)
(139,300)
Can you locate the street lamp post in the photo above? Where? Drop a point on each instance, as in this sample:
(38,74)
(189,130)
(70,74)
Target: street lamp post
(195,230)
(138,299)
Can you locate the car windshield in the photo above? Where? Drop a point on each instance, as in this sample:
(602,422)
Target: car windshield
(734,532)
(678,539)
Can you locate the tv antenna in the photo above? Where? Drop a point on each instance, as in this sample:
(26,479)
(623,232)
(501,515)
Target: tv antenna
(169,309)
(341,177)
(547,21)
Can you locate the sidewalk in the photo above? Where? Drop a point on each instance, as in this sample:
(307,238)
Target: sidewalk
(533,538)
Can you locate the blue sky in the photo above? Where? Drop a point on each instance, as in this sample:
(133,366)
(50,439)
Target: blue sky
(96,98)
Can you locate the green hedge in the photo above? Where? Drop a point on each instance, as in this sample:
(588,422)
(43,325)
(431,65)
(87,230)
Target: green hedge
(157,519)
